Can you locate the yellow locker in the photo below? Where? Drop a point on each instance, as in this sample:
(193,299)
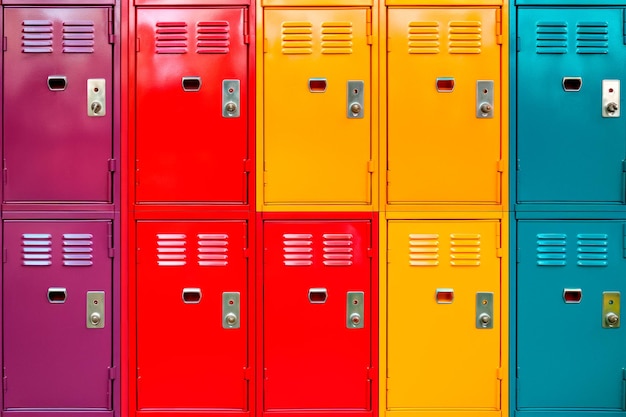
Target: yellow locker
(317,141)
(444,326)
(445,107)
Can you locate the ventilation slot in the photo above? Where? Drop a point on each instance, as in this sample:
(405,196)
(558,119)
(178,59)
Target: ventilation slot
(298,249)
(77,249)
(338,249)
(551,38)
(36,249)
(297,38)
(464,37)
(37,36)
(171,38)
(551,249)
(423,249)
(213,37)
(337,37)
(424,38)
(592,250)
(212,249)
(592,38)
(78,37)
(171,249)
(465,249)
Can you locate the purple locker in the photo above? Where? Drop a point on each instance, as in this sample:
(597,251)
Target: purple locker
(58,104)
(58,322)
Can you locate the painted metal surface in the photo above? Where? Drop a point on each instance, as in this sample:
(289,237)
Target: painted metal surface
(319,318)
(569,345)
(445,329)
(317,96)
(570,147)
(192,316)
(56,149)
(192,106)
(444,106)
(53,358)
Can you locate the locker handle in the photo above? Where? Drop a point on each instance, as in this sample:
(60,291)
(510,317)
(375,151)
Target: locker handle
(445,85)
(318,295)
(572,295)
(192,295)
(192,83)
(317,85)
(444,295)
(57,83)
(572,83)
(57,295)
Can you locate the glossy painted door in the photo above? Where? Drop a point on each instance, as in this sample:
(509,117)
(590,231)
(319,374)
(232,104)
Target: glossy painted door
(443,65)
(570,147)
(57,355)
(192,316)
(58,104)
(316,275)
(443,353)
(569,279)
(192,100)
(317,150)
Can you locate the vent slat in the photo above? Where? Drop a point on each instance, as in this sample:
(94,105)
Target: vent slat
(213,249)
(297,249)
(423,249)
(300,44)
(37,37)
(170,249)
(423,38)
(171,38)
(551,249)
(465,37)
(551,38)
(213,37)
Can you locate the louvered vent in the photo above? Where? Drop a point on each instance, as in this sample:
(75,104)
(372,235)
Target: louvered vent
(423,249)
(592,38)
(465,37)
(36,249)
(213,249)
(78,37)
(551,250)
(37,36)
(297,38)
(171,249)
(592,250)
(464,249)
(77,249)
(171,38)
(213,37)
(297,249)
(424,38)
(337,37)
(338,249)
(551,38)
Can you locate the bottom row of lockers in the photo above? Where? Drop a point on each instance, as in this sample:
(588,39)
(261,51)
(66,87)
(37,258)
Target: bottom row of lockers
(299,328)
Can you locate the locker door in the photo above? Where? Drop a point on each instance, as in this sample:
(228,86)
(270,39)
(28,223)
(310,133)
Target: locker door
(568,356)
(191,354)
(442,277)
(57,275)
(442,66)
(570,148)
(317,65)
(317,274)
(58,65)
(191,64)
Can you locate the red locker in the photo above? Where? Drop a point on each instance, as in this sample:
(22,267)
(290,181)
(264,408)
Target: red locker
(319,315)
(191,106)
(192,312)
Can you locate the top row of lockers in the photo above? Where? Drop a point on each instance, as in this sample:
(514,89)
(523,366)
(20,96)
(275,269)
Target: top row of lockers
(341,3)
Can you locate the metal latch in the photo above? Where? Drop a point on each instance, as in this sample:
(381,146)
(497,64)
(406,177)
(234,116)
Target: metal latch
(610,98)
(610,309)
(230,98)
(355,309)
(96,97)
(484,99)
(230,310)
(355,96)
(95,309)
(484,310)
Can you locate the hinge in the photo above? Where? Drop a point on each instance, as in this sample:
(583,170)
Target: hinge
(499,26)
(112,372)
(498,252)
(499,373)
(111,248)
(369,252)
(368,26)
(4,44)
(388,44)
(518,44)
(247,165)
(137,45)
(624,26)
(4,171)
(370,166)
(247,373)
(112,165)
(388,383)
(266,45)
(388,176)
(623,165)
(246,29)
(500,166)
(5,255)
(246,252)
(371,373)
(111,28)
(137,172)
(623,240)
(265,174)
(624,374)
(4,379)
